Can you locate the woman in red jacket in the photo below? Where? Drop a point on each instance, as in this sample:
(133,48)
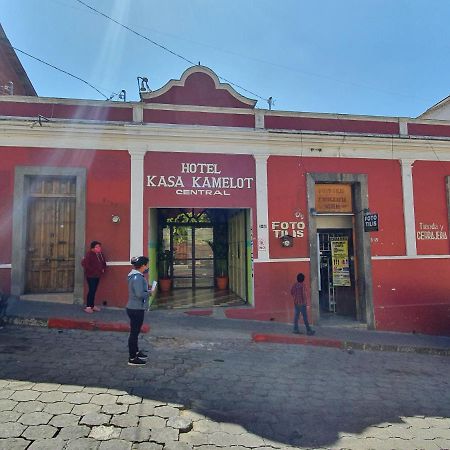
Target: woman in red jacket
(94,264)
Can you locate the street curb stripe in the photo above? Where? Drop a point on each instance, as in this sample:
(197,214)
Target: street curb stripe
(302,340)
(91,325)
(347,345)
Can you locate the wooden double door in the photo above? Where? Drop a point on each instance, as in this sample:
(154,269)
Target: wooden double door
(50,242)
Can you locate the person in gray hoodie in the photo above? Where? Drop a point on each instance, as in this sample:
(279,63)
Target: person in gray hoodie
(138,295)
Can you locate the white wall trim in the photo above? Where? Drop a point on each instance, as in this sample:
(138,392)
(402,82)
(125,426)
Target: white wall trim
(408,207)
(118,263)
(283,260)
(411,257)
(137,201)
(262,207)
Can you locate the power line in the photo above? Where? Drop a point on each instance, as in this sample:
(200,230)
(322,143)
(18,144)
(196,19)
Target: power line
(164,47)
(61,70)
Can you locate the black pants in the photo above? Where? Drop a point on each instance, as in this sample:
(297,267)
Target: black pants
(93,285)
(136,320)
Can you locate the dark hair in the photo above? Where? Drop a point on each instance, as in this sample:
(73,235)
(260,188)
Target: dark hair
(300,278)
(94,243)
(139,261)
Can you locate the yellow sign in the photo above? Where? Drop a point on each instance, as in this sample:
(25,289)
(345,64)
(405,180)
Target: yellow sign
(334,198)
(341,267)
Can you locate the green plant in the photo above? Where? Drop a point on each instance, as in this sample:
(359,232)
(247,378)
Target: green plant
(220,251)
(164,263)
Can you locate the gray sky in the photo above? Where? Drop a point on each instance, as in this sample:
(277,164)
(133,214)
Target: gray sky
(373,57)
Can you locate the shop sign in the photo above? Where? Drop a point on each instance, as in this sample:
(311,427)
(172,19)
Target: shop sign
(200,179)
(370,222)
(296,229)
(339,257)
(333,198)
(431,231)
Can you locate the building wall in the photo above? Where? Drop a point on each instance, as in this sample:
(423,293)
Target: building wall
(107,194)
(120,145)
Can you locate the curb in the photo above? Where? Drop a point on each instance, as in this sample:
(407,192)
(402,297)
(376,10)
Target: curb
(72,324)
(347,345)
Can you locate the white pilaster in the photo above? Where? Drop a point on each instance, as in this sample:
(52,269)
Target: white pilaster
(408,207)
(259,119)
(137,202)
(138,112)
(262,207)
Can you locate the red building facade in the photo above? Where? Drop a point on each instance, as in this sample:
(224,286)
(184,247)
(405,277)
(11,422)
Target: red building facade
(194,165)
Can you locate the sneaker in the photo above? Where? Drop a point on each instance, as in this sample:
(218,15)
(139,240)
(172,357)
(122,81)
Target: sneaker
(96,308)
(136,362)
(88,310)
(310,332)
(141,355)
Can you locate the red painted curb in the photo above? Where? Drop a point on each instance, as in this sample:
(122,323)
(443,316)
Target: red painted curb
(203,312)
(91,325)
(302,340)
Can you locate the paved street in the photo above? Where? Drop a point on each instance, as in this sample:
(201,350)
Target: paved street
(206,388)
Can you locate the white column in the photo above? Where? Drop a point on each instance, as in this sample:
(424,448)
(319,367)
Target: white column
(137,202)
(408,207)
(262,207)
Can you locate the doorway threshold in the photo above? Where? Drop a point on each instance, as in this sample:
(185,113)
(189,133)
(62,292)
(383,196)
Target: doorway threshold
(198,298)
(339,321)
(65,298)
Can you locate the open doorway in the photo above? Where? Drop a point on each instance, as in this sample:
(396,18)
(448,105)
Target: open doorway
(337,272)
(341,274)
(203,257)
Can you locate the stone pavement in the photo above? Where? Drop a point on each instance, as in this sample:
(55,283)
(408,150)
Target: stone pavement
(344,334)
(208,386)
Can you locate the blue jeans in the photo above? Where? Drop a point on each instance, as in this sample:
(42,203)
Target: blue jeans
(300,309)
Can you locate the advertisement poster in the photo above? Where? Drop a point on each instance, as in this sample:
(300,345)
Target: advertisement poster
(341,267)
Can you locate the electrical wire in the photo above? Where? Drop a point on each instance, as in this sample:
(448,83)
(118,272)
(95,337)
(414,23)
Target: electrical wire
(164,47)
(61,70)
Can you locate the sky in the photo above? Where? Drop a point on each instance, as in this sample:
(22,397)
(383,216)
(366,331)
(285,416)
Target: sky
(364,57)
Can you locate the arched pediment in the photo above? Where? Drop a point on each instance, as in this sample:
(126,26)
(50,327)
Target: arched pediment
(198,86)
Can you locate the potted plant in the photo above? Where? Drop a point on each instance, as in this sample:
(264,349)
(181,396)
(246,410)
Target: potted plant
(164,266)
(220,252)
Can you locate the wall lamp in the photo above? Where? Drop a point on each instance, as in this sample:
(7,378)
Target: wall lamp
(287,241)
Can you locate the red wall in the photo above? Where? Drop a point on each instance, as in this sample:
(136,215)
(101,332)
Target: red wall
(287,196)
(60,111)
(107,193)
(273,301)
(330,124)
(199,118)
(430,206)
(412,295)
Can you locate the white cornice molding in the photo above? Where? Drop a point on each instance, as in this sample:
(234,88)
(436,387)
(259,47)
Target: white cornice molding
(64,101)
(202,139)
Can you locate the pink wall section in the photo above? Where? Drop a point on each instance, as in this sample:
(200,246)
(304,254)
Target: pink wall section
(273,301)
(330,124)
(412,295)
(107,193)
(287,195)
(64,111)
(430,206)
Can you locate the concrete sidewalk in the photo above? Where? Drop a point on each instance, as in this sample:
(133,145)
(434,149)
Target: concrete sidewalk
(182,323)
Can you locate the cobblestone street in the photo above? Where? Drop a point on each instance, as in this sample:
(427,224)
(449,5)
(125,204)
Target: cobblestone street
(72,390)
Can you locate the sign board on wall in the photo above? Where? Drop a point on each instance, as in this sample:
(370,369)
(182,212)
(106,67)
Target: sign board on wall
(339,257)
(333,198)
(370,222)
(178,179)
